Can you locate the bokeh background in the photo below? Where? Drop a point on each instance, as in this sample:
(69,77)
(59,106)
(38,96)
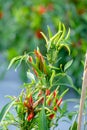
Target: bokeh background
(20,24)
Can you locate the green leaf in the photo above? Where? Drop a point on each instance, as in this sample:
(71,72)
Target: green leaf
(55,36)
(74,126)
(6,123)
(64,45)
(44,37)
(71,115)
(64,108)
(43,120)
(60,25)
(67,36)
(14,60)
(62,95)
(52,77)
(62,35)
(70,82)
(49,32)
(18,63)
(5,110)
(68,64)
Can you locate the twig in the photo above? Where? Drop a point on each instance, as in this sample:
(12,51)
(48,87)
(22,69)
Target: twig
(83,93)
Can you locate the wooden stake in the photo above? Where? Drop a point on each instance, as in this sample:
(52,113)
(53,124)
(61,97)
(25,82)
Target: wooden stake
(83,94)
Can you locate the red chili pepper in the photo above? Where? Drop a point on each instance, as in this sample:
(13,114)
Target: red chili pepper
(54,93)
(30,116)
(1,15)
(39,55)
(38,34)
(30,100)
(59,102)
(47,92)
(49,102)
(56,100)
(26,104)
(35,72)
(42,10)
(55,108)
(30,59)
(51,116)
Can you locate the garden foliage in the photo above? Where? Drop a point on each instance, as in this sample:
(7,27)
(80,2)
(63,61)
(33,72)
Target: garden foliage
(40,105)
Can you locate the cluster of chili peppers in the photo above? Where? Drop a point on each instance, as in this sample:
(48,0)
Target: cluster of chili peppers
(41,63)
(52,103)
(44,96)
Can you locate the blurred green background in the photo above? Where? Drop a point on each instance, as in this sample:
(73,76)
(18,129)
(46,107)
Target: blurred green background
(22,20)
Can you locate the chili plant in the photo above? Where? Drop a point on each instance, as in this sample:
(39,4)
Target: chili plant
(40,105)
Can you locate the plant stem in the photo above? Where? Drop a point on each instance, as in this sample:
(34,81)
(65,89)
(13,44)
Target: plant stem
(83,93)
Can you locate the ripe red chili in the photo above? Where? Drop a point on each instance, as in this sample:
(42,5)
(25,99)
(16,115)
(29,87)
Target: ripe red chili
(49,102)
(47,92)
(30,59)
(1,15)
(35,72)
(59,102)
(30,100)
(55,108)
(54,93)
(42,10)
(38,34)
(39,56)
(30,116)
(51,116)
(37,53)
